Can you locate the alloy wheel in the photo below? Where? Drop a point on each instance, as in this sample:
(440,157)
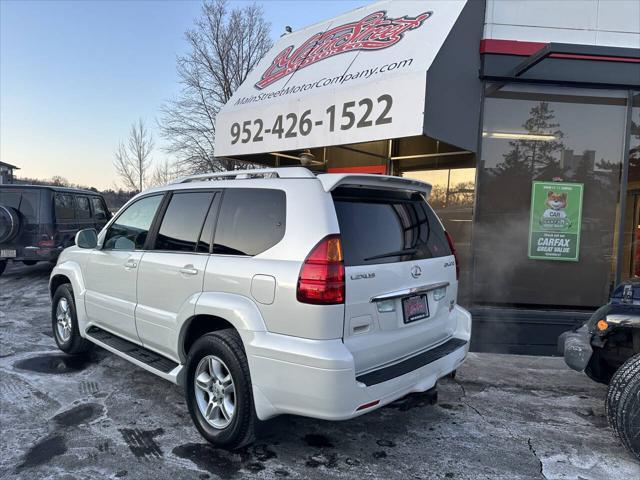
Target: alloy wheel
(63,318)
(215,391)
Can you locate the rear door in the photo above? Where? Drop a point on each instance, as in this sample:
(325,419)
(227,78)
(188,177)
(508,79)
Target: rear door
(83,212)
(400,275)
(26,203)
(171,272)
(66,223)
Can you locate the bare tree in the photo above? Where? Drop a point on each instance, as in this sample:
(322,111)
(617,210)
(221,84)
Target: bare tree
(225,45)
(133,159)
(164,172)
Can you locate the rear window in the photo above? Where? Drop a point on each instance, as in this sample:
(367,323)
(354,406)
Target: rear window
(23,201)
(385,227)
(251,221)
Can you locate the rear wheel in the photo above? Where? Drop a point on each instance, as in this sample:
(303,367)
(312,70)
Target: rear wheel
(64,322)
(3,265)
(218,390)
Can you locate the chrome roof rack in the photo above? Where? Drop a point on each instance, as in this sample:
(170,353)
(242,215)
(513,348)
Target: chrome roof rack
(284,172)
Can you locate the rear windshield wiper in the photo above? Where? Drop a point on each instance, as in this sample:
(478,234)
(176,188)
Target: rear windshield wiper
(397,253)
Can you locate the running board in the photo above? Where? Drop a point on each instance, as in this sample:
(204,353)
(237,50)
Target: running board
(411,364)
(137,354)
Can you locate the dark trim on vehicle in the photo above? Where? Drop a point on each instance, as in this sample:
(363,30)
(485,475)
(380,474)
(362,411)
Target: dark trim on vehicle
(138,352)
(411,364)
(521,331)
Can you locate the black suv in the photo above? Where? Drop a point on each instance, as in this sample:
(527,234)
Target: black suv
(38,222)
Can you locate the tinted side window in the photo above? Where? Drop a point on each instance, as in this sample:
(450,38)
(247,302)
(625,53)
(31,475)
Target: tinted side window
(130,229)
(182,222)
(64,207)
(251,221)
(383,228)
(99,211)
(83,211)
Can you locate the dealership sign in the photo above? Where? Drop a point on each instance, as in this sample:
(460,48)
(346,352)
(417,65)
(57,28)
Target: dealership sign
(358,77)
(555,222)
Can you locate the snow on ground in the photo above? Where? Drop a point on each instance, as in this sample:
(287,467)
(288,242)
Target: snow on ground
(97,416)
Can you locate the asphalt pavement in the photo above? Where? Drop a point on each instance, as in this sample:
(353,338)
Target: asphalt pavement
(98,416)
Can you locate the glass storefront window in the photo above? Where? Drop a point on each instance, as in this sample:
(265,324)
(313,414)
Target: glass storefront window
(546,133)
(630,265)
(452,197)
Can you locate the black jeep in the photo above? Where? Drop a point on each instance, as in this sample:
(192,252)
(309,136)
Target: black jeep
(38,222)
(607,349)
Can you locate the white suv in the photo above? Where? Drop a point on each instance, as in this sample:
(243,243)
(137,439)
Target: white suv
(270,291)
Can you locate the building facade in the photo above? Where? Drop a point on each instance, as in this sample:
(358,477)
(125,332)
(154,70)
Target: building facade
(524,116)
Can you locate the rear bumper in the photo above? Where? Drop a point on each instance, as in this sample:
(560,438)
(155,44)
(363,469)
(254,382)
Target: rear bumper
(576,348)
(318,379)
(36,254)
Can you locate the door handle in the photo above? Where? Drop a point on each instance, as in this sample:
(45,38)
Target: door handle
(188,270)
(129,264)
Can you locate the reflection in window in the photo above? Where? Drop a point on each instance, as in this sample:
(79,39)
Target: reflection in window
(452,197)
(64,207)
(129,231)
(83,211)
(549,134)
(182,221)
(251,221)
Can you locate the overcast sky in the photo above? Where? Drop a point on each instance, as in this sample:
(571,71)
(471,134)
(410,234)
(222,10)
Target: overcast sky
(75,74)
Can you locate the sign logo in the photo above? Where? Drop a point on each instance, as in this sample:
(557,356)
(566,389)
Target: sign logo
(374,32)
(416,271)
(555,221)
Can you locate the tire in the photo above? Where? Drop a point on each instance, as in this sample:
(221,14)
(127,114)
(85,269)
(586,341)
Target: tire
(227,427)
(9,223)
(619,382)
(29,263)
(63,311)
(628,414)
(3,265)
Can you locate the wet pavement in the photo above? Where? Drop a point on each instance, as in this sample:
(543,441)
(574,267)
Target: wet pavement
(97,416)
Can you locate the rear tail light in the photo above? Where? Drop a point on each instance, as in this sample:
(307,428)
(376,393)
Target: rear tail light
(321,280)
(452,246)
(46,242)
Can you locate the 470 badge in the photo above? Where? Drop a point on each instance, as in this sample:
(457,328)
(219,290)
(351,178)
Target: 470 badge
(556,218)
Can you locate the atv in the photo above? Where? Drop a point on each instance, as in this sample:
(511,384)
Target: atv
(607,349)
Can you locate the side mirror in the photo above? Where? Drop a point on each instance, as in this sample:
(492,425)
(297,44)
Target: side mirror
(87,238)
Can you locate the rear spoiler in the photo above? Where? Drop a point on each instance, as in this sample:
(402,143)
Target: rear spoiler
(331,181)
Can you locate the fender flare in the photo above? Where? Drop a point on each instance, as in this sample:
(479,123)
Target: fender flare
(240,311)
(73,271)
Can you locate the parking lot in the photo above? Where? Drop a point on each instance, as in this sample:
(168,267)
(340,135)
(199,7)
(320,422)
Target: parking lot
(101,417)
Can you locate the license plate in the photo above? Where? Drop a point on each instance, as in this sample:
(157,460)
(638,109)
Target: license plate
(7,253)
(415,308)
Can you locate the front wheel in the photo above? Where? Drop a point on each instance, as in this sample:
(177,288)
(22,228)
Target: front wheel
(3,265)
(623,404)
(218,390)
(64,322)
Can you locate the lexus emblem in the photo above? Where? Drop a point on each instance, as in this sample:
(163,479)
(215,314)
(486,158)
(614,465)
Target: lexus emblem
(416,271)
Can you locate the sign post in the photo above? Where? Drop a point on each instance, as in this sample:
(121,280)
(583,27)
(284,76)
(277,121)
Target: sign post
(556,220)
